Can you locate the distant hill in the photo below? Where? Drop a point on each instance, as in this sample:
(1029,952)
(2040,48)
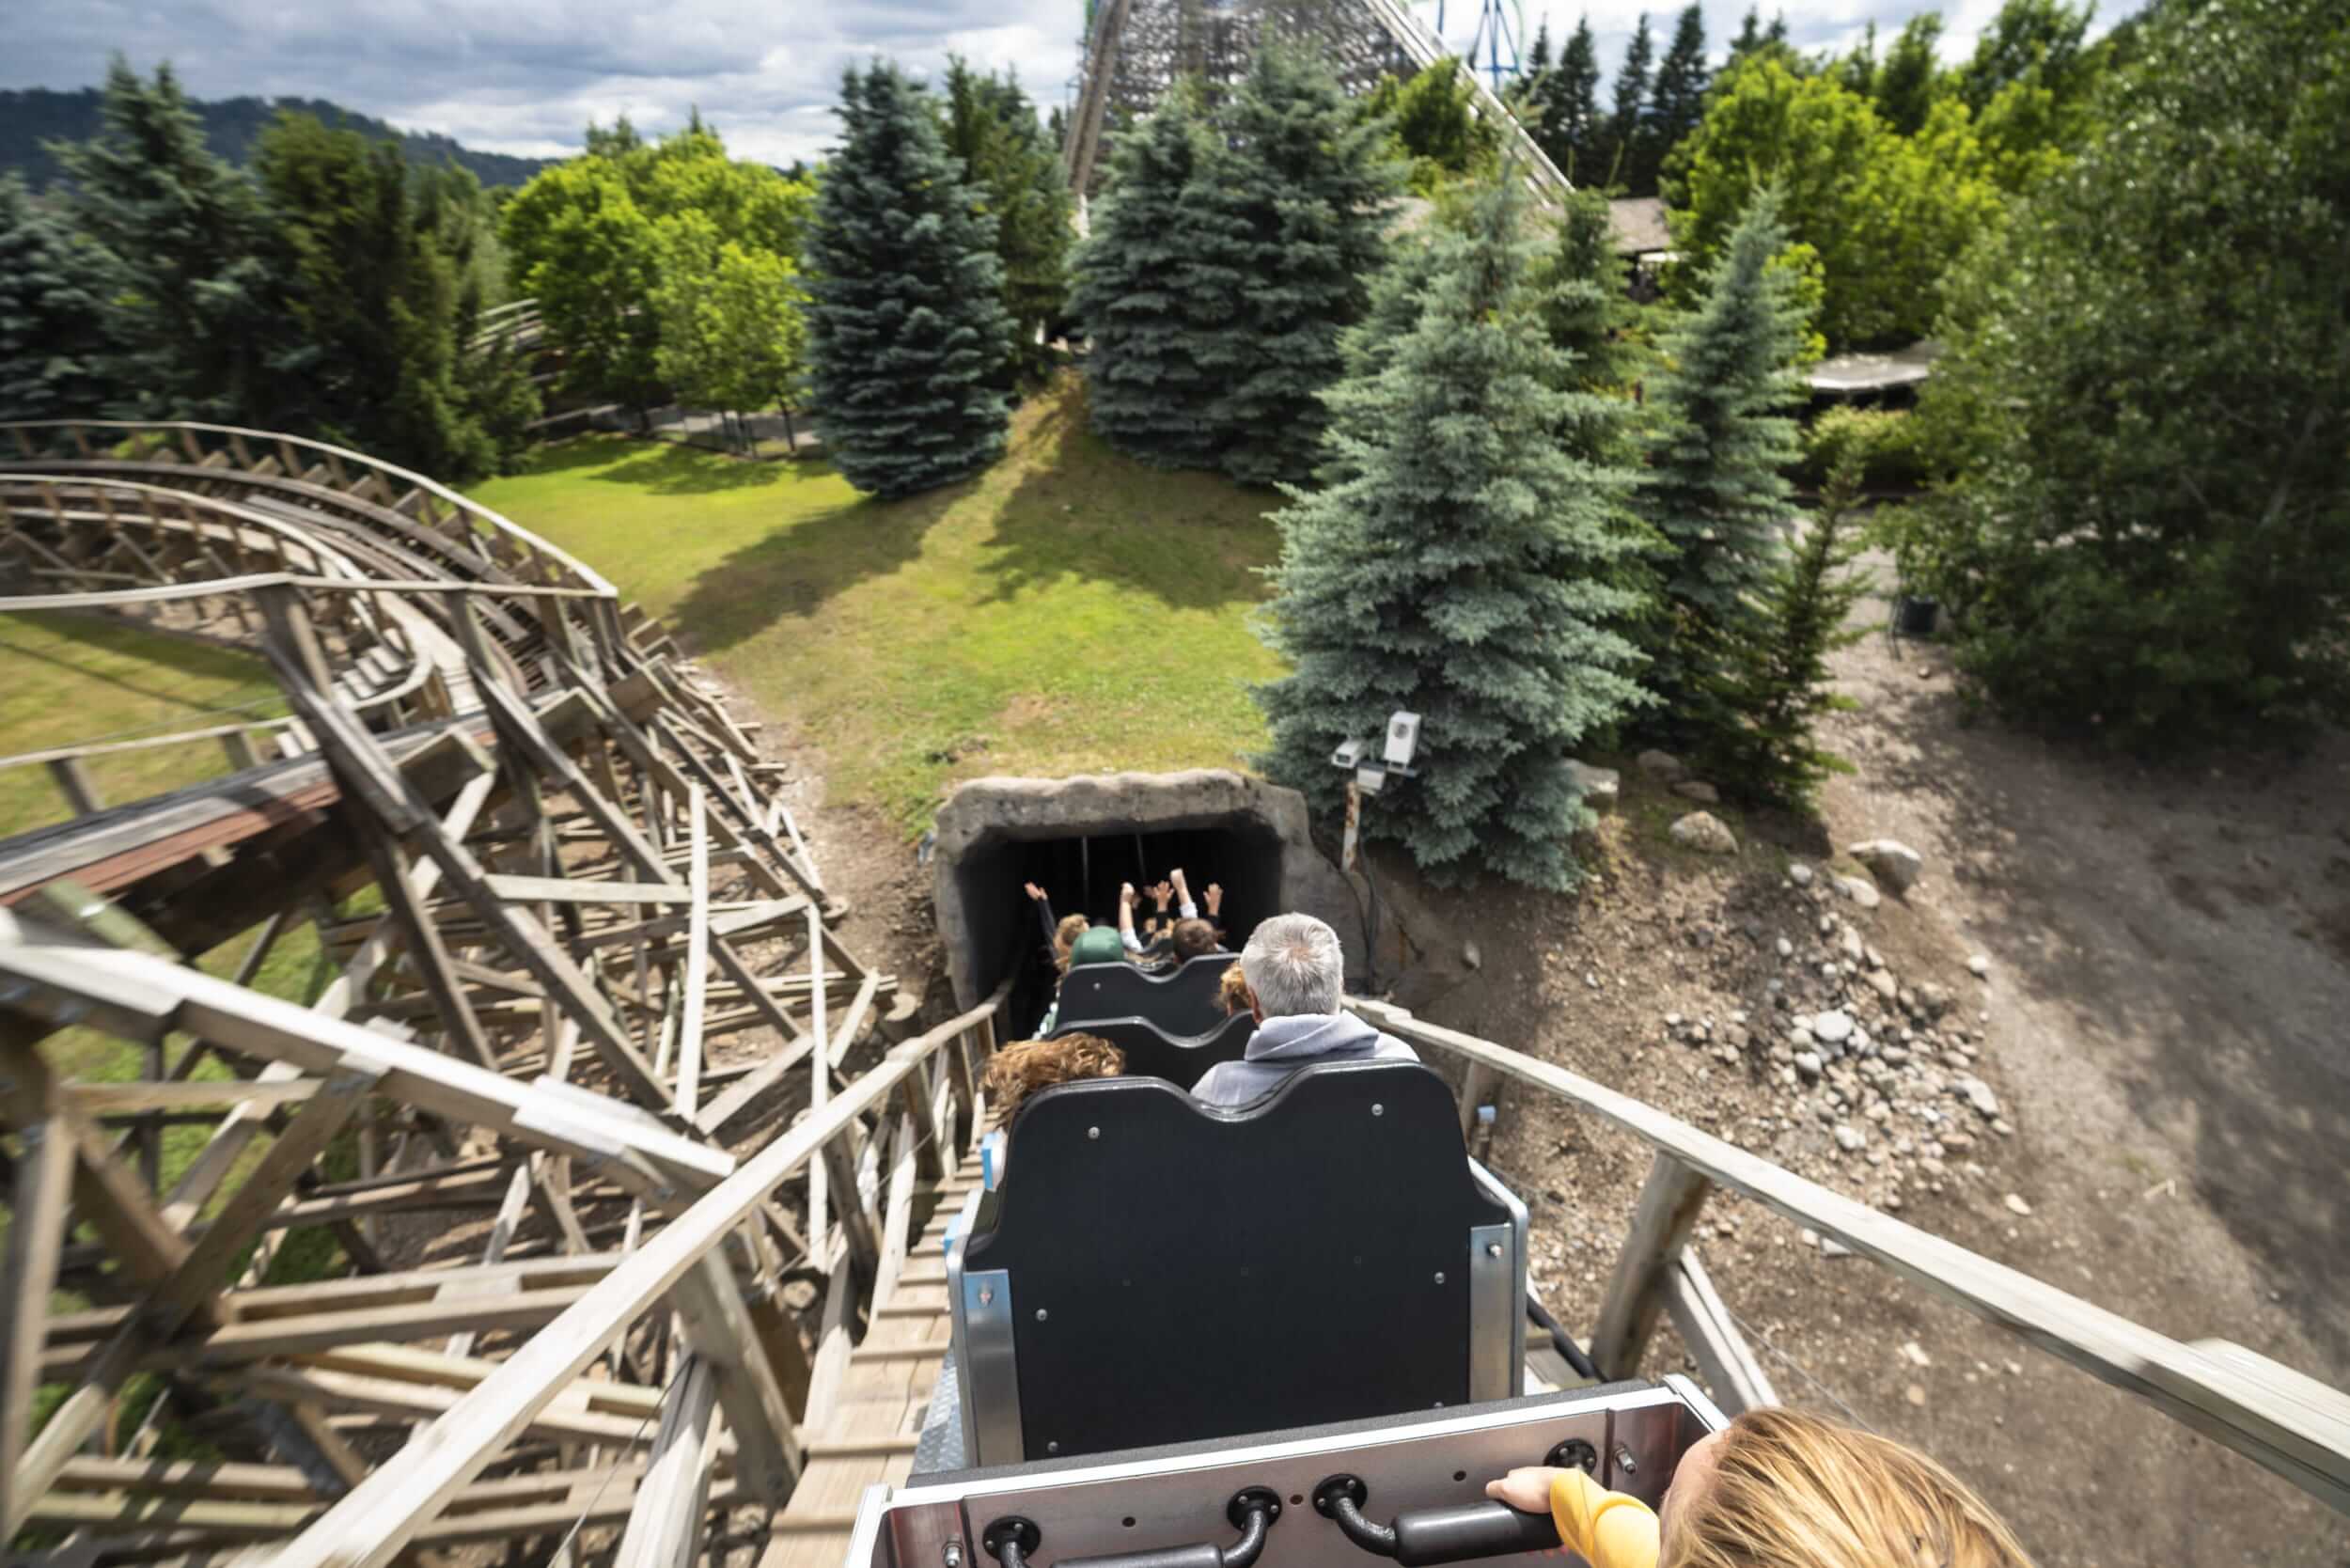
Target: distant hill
(32,115)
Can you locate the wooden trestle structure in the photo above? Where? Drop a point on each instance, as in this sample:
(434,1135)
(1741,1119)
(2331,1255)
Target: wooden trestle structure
(586,981)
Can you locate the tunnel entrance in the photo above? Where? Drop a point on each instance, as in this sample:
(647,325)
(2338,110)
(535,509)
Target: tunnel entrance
(1078,839)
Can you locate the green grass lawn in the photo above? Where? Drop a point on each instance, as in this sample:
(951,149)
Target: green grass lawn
(1065,612)
(74,678)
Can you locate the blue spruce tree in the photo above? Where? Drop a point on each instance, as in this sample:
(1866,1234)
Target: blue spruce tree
(1142,298)
(906,322)
(1299,188)
(1459,569)
(1714,488)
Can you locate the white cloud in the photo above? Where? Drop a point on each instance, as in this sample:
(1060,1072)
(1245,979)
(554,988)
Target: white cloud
(525,76)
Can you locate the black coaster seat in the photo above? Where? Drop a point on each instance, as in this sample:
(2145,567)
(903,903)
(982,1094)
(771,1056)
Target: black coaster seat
(1182,1002)
(1159,1271)
(1150,1053)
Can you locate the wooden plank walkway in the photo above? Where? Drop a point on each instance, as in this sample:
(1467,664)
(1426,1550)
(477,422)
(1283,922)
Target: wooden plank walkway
(869,1432)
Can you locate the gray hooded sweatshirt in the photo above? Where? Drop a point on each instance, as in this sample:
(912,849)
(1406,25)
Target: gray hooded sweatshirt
(1282,1045)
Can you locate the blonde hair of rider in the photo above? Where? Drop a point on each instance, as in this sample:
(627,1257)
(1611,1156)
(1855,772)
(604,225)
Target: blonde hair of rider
(1065,937)
(1232,990)
(1790,1490)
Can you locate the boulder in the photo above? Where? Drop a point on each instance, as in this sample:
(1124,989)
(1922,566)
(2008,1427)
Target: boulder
(1891,862)
(1662,765)
(1600,788)
(1699,790)
(1800,874)
(1703,831)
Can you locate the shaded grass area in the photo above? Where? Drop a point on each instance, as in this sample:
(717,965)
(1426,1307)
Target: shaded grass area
(1065,612)
(72,678)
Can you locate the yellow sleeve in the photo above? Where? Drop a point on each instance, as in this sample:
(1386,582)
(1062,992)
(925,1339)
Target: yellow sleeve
(1612,1530)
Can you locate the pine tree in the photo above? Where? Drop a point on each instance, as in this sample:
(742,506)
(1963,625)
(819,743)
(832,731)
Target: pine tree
(189,300)
(374,300)
(1677,101)
(1567,101)
(1714,488)
(1779,686)
(1458,572)
(1538,58)
(906,324)
(53,347)
(1585,314)
(1141,296)
(1628,131)
(1749,36)
(992,130)
(1297,192)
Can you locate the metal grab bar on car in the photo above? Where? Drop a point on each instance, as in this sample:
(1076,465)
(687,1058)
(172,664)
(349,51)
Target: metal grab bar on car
(1458,1535)
(1252,1511)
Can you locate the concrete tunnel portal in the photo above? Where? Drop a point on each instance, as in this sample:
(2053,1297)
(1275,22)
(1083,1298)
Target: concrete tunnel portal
(1080,837)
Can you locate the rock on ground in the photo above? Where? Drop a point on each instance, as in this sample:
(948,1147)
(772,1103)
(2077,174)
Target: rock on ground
(1865,894)
(1662,764)
(1600,787)
(1703,831)
(1699,790)
(1891,862)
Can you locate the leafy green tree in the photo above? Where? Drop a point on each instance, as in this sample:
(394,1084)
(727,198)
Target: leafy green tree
(1632,165)
(2148,399)
(731,332)
(1857,72)
(591,256)
(1460,572)
(372,297)
(1715,489)
(906,324)
(1777,686)
(53,343)
(2040,41)
(1910,81)
(190,305)
(1144,299)
(1885,215)
(1677,100)
(991,128)
(1432,125)
(1566,103)
(1297,192)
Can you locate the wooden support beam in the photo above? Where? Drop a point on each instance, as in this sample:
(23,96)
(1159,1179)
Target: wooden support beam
(689,1057)
(375,1522)
(1724,1361)
(1669,1202)
(73,783)
(718,1327)
(664,1528)
(43,1179)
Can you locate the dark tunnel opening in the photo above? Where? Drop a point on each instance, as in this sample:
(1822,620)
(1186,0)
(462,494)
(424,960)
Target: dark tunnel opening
(1081,874)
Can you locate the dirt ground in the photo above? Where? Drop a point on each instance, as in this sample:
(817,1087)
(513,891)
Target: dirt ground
(2166,951)
(2169,966)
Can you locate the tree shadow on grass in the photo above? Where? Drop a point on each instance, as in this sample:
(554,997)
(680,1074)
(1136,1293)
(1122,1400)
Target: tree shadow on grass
(662,467)
(1189,539)
(794,571)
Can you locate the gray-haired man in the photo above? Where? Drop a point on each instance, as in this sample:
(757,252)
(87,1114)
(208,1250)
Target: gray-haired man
(1296,975)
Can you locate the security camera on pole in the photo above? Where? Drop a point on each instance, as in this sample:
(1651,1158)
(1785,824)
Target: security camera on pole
(1367,777)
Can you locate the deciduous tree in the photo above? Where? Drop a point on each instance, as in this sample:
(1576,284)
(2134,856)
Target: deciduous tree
(2147,400)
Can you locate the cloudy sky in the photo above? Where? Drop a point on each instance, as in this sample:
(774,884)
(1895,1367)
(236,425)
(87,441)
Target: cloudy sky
(524,76)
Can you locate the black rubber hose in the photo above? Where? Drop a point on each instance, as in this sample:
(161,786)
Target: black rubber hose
(1563,1339)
